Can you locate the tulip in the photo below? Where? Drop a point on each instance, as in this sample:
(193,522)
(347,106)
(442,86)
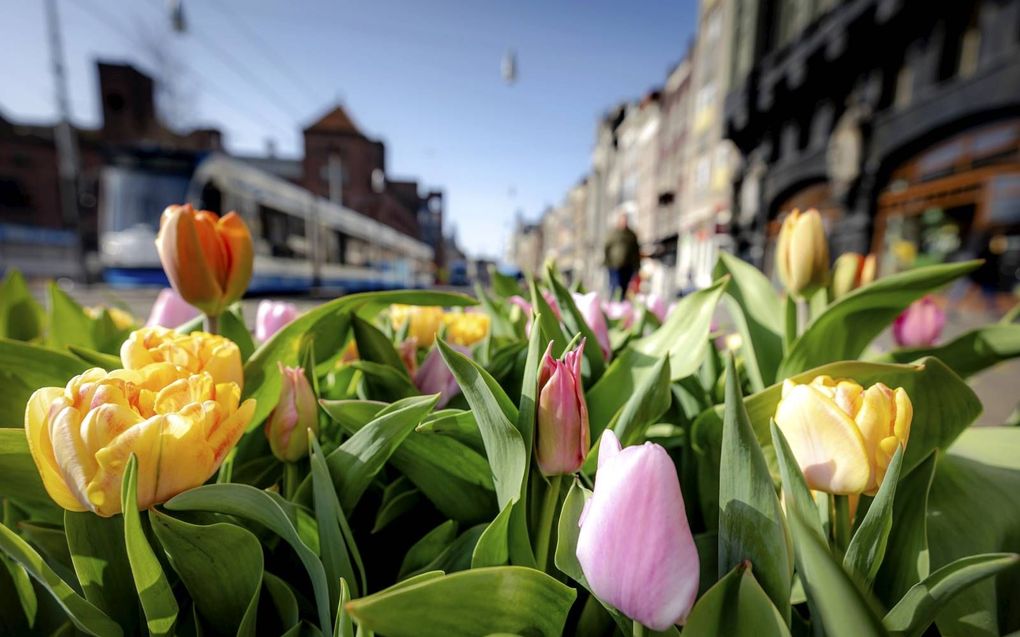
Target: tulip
(466,328)
(620,311)
(408,352)
(423,322)
(802,254)
(635,546)
(271,316)
(842,435)
(180,426)
(562,437)
(208,259)
(657,306)
(195,352)
(170,310)
(920,325)
(525,306)
(852,271)
(121,319)
(590,306)
(295,413)
(434,377)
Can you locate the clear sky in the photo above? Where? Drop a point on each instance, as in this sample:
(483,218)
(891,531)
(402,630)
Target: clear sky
(423,75)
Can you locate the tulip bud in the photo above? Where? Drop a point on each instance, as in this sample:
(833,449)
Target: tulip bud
(842,435)
(295,413)
(920,325)
(590,306)
(208,259)
(635,546)
(271,317)
(620,311)
(850,272)
(802,254)
(562,436)
(434,377)
(408,353)
(170,310)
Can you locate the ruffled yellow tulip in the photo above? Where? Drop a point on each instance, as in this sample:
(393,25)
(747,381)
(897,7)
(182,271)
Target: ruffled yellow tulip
(842,435)
(802,254)
(195,352)
(207,259)
(180,426)
(466,328)
(423,322)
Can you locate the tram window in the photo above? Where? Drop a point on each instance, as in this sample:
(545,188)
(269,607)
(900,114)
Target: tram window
(212,199)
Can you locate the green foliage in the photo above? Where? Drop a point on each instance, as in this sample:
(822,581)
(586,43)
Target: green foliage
(736,606)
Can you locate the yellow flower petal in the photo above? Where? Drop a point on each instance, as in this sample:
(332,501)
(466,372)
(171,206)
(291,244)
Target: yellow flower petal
(37,431)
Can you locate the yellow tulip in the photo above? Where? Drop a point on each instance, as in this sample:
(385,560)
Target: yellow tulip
(122,320)
(207,259)
(195,352)
(842,435)
(180,426)
(466,328)
(423,322)
(851,271)
(802,254)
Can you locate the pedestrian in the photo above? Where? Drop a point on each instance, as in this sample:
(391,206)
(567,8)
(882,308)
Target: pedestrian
(623,257)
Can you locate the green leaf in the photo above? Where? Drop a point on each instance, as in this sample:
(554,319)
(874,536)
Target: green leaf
(736,606)
(645,406)
(428,548)
(344,622)
(917,609)
(450,474)
(355,463)
(751,525)
(373,346)
(69,324)
(86,617)
(385,382)
(907,559)
(970,352)
(492,548)
(796,493)
(757,312)
(25,368)
(503,285)
(19,604)
(867,547)
(509,599)
(843,609)
(19,477)
(504,445)
(251,504)
(458,423)
(220,565)
(334,546)
(399,498)
(150,581)
(575,323)
(21,317)
(282,599)
(100,561)
(232,326)
(94,358)
(869,309)
(545,318)
(327,325)
(568,531)
(456,556)
(684,338)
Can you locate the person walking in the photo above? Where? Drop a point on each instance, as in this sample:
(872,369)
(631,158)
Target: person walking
(622,256)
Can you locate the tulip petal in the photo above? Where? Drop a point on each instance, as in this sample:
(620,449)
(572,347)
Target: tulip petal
(36,418)
(825,441)
(237,245)
(609,448)
(184,260)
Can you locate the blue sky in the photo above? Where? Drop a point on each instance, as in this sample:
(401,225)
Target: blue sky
(424,76)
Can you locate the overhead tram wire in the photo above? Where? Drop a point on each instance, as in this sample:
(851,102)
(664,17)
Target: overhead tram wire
(209,85)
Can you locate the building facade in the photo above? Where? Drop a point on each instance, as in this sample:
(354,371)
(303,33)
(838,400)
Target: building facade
(899,121)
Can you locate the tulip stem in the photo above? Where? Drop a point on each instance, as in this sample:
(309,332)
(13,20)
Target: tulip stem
(841,524)
(546,519)
(291,479)
(211,323)
(639,629)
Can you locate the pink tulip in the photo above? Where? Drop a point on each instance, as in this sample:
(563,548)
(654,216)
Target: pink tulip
(621,311)
(590,306)
(408,352)
(657,306)
(170,310)
(525,306)
(434,377)
(271,316)
(562,437)
(297,412)
(635,546)
(920,325)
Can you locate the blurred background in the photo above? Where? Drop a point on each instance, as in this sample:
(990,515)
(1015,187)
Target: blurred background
(399,144)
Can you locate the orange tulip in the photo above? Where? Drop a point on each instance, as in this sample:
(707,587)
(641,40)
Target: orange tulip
(208,259)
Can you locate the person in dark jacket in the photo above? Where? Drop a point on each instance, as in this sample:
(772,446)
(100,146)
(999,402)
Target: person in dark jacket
(623,257)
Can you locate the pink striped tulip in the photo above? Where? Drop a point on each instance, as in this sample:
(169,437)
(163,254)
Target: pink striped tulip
(635,546)
(434,377)
(293,416)
(920,325)
(170,310)
(562,436)
(272,316)
(590,306)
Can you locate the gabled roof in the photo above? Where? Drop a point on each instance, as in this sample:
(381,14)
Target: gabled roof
(335,121)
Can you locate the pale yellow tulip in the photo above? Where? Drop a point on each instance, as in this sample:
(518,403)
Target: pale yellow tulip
(194,352)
